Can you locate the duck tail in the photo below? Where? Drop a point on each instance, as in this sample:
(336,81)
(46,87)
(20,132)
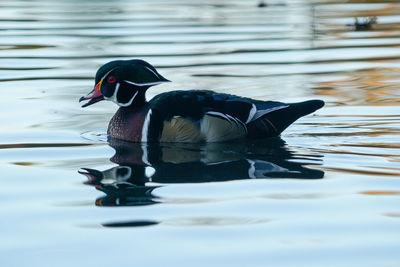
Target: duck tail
(274,123)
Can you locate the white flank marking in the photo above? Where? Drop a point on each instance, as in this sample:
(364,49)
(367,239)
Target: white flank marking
(251,113)
(145,128)
(261,113)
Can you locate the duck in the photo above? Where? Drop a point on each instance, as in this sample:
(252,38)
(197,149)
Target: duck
(185,116)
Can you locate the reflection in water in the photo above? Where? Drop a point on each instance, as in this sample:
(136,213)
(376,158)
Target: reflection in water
(138,164)
(376,86)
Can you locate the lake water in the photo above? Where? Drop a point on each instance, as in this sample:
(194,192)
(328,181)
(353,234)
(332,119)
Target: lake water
(326,193)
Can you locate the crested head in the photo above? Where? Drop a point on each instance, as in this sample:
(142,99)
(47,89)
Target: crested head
(124,82)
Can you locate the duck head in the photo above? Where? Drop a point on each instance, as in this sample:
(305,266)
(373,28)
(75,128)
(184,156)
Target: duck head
(124,82)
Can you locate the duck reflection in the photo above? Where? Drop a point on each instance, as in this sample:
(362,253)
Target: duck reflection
(129,183)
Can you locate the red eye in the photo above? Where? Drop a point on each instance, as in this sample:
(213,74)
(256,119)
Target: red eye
(111,79)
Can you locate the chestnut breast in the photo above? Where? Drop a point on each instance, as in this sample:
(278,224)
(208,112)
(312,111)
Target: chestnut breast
(127,124)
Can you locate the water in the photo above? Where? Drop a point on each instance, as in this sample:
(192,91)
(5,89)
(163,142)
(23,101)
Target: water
(325,193)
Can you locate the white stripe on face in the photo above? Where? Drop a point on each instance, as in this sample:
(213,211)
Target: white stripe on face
(113,98)
(105,75)
(130,101)
(143,84)
(152,72)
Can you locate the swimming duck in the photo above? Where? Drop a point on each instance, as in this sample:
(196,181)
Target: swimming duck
(190,116)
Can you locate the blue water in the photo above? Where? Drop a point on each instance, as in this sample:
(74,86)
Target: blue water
(326,193)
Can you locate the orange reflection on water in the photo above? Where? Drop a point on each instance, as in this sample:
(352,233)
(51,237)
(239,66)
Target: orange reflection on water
(377,193)
(374,86)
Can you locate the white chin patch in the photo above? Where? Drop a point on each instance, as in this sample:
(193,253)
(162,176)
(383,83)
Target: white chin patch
(113,98)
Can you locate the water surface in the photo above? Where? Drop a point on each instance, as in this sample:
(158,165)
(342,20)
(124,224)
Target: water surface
(325,193)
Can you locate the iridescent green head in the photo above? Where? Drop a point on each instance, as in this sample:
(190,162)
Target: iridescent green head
(124,82)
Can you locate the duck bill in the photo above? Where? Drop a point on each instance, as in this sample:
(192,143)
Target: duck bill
(94,96)
(94,176)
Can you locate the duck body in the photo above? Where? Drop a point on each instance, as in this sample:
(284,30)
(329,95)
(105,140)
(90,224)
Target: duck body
(190,116)
(201,116)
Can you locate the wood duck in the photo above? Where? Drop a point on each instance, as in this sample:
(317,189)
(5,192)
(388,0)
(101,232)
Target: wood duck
(190,116)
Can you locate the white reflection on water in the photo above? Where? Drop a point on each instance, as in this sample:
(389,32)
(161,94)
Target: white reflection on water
(288,51)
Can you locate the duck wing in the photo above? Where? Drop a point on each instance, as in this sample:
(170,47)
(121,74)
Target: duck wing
(201,115)
(195,116)
(273,121)
(195,104)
